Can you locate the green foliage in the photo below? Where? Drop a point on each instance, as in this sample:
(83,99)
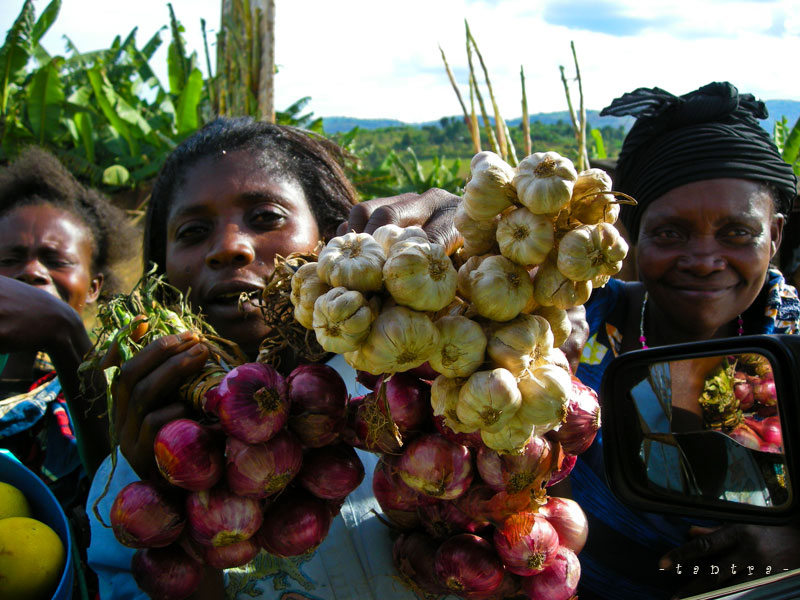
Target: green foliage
(788,142)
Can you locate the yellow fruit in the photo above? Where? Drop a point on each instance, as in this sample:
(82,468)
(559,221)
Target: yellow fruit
(31,559)
(13,502)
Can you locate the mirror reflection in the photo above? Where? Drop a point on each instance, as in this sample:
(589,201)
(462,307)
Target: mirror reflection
(709,427)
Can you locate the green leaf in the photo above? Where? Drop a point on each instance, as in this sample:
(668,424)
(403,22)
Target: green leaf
(176,56)
(791,147)
(15,52)
(83,123)
(188,101)
(44,22)
(600,148)
(116,175)
(105,97)
(45,100)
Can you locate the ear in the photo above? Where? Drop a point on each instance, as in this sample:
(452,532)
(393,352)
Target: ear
(95,286)
(776,233)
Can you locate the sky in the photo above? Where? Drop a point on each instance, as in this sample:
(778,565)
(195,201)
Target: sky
(379,59)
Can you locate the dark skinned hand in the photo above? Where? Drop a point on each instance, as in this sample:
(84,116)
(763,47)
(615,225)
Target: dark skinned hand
(754,551)
(432,210)
(145,394)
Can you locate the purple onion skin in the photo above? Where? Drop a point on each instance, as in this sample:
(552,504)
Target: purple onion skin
(263,469)
(166,573)
(218,517)
(582,422)
(470,440)
(432,465)
(143,515)
(331,472)
(443,520)
(391,492)
(531,547)
(188,455)
(558,581)
(413,556)
(468,564)
(233,555)
(409,402)
(567,464)
(296,523)
(318,398)
(253,403)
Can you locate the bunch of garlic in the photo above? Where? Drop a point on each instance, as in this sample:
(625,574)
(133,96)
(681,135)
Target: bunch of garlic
(536,240)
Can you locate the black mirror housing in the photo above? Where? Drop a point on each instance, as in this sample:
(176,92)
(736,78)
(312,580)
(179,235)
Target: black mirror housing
(626,435)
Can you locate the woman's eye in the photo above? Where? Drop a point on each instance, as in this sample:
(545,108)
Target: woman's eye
(667,234)
(267,218)
(190,231)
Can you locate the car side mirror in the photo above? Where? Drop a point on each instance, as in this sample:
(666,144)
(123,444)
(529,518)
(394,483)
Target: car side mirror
(706,429)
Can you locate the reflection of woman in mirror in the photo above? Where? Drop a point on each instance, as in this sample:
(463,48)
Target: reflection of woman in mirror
(712,192)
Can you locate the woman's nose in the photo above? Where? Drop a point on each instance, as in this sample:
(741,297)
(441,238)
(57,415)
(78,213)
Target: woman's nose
(33,272)
(702,258)
(231,247)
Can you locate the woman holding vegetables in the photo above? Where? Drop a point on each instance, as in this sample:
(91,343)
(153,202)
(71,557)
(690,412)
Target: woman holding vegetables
(59,243)
(226,202)
(713,194)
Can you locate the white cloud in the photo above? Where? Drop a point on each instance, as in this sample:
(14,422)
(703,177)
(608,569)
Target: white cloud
(371,59)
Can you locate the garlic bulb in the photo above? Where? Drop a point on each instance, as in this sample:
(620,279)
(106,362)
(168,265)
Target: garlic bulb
(461,349)
(553,288)
(306,288)
(479,236)
(511,439)
(559,321)
(444,399)
(390,234)
(521,344)
(524,237)
(462,280)
(488,400)
(419,274)
(400,339)
(489,190)
(342,319)
(544,182)
(499,288)
(354,261)
(544,397)
(588,205)
(591,250)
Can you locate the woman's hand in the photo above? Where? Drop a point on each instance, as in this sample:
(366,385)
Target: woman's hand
(432,210)
(32,319)
(734,553)
(145,394)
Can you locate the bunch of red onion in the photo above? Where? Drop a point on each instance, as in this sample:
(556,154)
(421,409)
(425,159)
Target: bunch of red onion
(473,522)
(263,468)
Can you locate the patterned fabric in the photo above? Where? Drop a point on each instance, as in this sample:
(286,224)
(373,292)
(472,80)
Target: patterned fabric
(36,427)
(621,555)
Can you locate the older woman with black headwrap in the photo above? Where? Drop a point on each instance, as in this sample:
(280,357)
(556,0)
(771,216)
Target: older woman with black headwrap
(713,194)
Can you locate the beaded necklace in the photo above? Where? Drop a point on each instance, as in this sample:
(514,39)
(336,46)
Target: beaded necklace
(643,339)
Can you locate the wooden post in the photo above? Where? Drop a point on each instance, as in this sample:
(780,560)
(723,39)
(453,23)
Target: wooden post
(266,79)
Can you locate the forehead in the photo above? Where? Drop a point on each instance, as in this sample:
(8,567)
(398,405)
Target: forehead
(47,222)
(233,177)
(711,200)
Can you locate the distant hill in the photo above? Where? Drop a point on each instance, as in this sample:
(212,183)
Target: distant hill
(777,109)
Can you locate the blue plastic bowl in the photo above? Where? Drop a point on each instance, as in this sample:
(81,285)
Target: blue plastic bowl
(45,508)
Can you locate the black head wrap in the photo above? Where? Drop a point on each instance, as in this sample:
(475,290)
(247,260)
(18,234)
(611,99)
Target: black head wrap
(710,133)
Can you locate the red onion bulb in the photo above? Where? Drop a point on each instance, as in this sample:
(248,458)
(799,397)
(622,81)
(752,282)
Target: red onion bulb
(188,455)
(166,573)
(218,517)
(582,422)
(568,519)
(413,557)
(252,402)
(143,516)
(262,469)
(233,555)
(331,472)
(517,472)
(467,564)
(558,581)
(406,400)
(318,398)
(432,465)
(526,543)
(295,523)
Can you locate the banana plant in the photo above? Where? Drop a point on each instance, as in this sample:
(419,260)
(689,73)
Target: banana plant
(788,142)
